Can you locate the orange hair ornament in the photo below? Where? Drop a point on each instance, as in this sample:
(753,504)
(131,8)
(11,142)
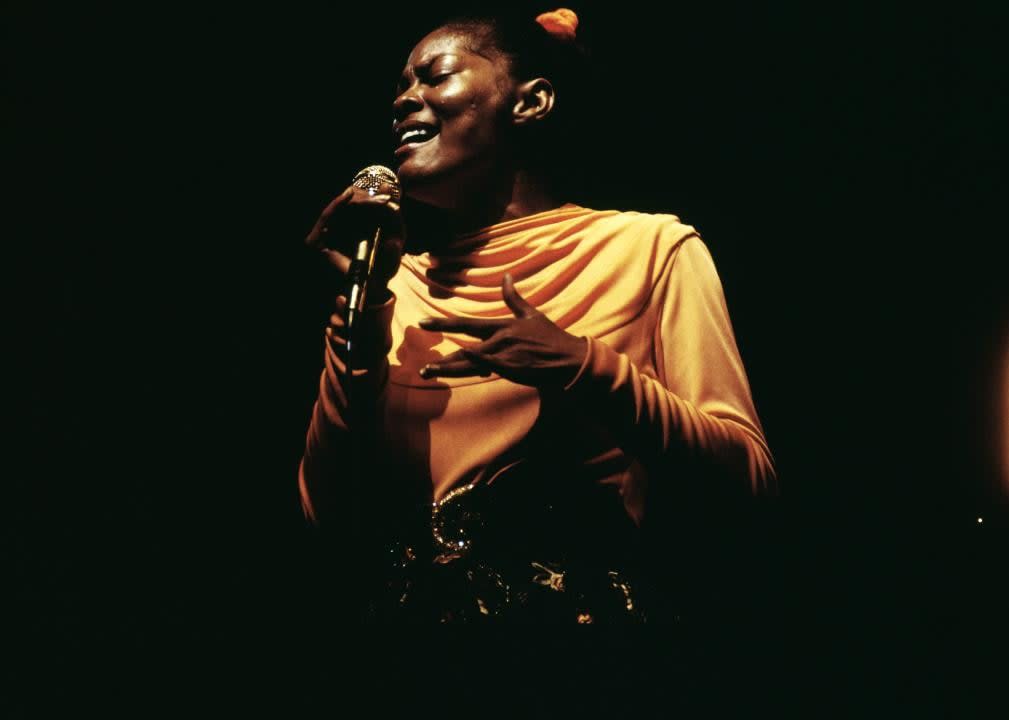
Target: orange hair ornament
(561,23)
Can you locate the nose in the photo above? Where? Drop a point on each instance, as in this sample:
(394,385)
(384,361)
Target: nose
(407,102)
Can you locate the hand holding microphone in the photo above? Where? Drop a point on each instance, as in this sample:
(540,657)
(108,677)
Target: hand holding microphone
(361,234)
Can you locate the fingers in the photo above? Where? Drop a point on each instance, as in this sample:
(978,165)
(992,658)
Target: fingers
(482,328)
(339,200)
(368,211)
(336,321)
(315,238)
(467,362)
(458,364)
(352,214)
(513,300)
(337,259)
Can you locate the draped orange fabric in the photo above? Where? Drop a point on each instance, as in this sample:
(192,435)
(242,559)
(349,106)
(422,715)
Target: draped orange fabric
(662,379)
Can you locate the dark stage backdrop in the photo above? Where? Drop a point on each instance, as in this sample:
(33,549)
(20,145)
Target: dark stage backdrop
(845,165)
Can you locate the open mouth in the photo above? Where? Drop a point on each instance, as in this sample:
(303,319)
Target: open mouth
(414,134)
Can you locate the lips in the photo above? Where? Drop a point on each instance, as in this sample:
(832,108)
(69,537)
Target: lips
(412,134)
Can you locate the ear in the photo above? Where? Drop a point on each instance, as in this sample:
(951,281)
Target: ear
(535,100)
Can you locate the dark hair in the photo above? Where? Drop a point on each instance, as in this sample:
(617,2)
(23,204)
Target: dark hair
(532,52)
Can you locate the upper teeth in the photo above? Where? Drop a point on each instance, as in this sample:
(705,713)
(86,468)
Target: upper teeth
(409,134)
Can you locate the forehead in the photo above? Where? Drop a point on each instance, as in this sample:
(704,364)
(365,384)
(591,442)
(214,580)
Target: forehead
(443,42)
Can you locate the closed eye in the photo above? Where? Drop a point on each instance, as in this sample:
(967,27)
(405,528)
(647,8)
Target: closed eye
(427,79)
(423,72)
(434,78)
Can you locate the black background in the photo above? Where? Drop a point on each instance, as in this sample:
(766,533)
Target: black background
(845,165)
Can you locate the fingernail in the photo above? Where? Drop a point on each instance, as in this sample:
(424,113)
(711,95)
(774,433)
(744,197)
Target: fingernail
(425,371)
(424,322)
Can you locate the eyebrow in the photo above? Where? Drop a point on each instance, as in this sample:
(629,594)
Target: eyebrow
(425,63)
(430,60)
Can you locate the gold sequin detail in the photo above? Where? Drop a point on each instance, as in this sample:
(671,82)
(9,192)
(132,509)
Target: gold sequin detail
(548,577)
(621,584)
(450,549)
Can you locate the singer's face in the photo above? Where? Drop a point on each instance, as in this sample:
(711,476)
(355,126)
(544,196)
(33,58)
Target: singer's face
(451,117)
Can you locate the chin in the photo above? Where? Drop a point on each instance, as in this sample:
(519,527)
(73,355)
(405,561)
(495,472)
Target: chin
(435,189)
(447,187)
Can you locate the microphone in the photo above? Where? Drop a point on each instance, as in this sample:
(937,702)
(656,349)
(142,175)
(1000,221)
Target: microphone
(375,179)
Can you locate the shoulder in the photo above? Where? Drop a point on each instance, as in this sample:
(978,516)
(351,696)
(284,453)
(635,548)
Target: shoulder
(634,246)
(662,229)
(630,237)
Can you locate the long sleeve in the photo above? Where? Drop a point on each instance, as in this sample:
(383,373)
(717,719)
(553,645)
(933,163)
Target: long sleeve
(343,405)
(698,411)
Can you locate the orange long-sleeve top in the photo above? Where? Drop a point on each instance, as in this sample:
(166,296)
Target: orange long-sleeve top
(662,384)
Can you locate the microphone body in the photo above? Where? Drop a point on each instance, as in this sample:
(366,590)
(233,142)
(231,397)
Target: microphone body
(375,179)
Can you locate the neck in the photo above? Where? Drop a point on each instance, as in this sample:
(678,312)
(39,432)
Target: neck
(517,196)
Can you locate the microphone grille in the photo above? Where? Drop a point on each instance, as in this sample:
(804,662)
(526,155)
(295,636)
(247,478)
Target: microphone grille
(378,178)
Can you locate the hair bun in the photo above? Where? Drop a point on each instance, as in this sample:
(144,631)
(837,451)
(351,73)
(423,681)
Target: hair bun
(561,23)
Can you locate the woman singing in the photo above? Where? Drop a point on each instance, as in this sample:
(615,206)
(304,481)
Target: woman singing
(532,380)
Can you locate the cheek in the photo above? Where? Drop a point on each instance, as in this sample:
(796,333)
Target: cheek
(479,128)
(471,118)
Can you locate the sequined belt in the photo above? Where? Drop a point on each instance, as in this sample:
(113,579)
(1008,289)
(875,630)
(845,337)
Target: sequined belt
(509,550)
